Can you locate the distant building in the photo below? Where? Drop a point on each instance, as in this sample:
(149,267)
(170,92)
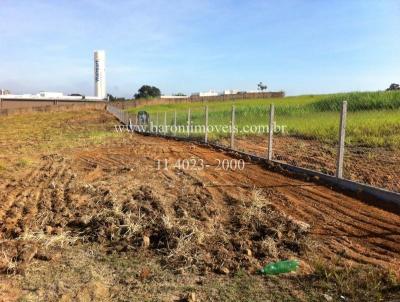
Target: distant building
(208,93)
(47,94)
(4,91)
(255,91)
(229,92)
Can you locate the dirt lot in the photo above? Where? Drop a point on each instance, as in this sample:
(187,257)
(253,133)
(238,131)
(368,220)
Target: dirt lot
(378,167)
(91,216)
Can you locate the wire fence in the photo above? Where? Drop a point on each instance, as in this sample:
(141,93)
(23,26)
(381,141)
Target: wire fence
(334,142)
(373,148)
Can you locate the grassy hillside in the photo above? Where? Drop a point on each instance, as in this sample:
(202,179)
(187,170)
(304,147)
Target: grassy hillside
(373,117)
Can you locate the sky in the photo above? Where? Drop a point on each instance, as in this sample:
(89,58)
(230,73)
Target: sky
(299,46)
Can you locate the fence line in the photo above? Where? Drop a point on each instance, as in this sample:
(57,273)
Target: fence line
(337,180)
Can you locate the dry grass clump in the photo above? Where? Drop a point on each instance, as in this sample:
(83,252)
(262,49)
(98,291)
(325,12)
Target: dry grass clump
(255,208)
(274,235)
(269,246)
(8,263)
(61,239)
(16,254)
(186,239)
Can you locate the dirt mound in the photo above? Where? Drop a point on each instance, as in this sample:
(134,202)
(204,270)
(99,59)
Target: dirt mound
(185,234)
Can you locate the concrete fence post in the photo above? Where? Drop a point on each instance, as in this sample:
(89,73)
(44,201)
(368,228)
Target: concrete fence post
(149,127)
(130,127)
(233,128)
(189,122)
(342,136)
(271,130)
(165,123)
(157,123)
(206,126)
(175,123)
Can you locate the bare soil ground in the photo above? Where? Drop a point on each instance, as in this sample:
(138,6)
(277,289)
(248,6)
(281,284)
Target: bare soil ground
(97,220)
(379,167)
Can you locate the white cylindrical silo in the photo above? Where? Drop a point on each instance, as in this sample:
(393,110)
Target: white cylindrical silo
(100,74)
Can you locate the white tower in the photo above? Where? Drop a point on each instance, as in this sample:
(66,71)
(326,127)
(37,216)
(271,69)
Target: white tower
(100,74)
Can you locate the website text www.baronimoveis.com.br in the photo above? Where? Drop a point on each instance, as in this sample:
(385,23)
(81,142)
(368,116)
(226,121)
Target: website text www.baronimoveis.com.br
(199,129)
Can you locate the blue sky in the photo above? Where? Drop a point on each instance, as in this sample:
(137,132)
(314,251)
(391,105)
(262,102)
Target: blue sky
(298,46)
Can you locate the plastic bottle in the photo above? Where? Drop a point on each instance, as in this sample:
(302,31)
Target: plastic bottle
(280,267)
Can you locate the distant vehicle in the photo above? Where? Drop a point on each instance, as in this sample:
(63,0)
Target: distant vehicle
(143,117)
(77,94)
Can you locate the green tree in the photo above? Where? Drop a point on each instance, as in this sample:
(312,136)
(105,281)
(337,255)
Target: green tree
(147,91)
(261,86)
(393,86)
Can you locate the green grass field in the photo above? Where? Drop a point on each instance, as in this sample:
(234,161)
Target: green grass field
(373,117)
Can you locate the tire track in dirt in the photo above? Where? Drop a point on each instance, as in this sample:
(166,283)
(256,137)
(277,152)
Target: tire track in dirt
(345,206)
(25,203)
(337,225)
(12,191)
(328,210)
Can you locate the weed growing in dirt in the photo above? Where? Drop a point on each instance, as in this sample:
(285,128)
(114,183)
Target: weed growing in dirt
(354,283)
(22,163)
